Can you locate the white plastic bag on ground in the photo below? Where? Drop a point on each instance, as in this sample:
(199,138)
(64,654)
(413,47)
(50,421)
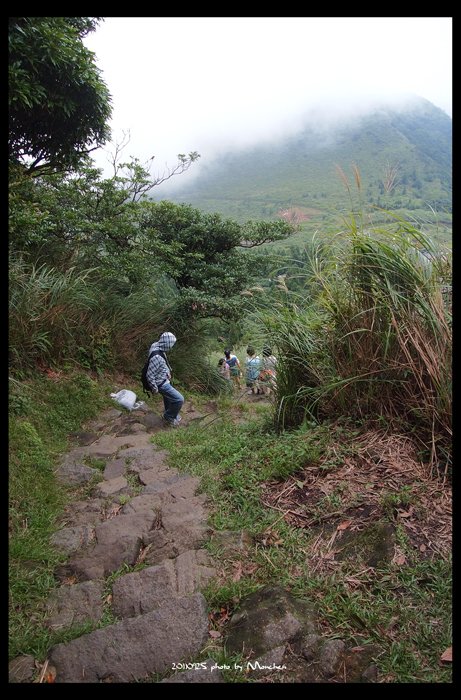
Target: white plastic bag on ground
(126,398)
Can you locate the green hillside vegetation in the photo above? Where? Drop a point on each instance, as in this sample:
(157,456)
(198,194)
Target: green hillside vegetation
(360,322)
(404,160)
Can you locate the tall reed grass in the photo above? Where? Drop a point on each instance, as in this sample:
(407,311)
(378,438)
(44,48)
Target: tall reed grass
(392,334)
(58,316)
(61,317)
(376,338)
(47,309)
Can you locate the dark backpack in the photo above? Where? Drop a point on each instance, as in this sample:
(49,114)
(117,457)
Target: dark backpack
(145,384)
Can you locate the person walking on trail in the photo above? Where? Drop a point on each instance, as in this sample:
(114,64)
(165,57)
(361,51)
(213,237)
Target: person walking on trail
(224,369)
(234,365)
(253,367)
(159,378)
(267,376)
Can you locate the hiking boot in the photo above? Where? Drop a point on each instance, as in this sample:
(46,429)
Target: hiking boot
(177,421)
(169,423)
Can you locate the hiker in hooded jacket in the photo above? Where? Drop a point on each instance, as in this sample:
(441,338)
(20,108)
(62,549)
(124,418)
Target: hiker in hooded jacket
(159,379)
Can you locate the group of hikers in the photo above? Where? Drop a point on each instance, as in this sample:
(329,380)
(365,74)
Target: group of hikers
(260,372)
(260,375)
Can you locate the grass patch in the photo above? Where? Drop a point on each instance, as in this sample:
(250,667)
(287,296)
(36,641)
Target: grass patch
(43,414)
(134,482)
(95,463)
(404,609)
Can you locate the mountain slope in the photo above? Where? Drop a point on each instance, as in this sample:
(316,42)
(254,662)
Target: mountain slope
(403,160)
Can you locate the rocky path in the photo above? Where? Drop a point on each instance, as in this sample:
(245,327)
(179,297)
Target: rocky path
(135,565)
(140,511)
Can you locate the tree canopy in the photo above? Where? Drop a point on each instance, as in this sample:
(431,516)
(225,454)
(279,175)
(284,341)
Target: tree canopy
(85,220)
(206,253)
(58,104)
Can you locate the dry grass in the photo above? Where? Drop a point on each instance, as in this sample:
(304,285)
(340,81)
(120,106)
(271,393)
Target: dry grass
(381,478)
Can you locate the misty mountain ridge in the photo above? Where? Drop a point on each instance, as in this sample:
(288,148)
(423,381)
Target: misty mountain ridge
(403,157)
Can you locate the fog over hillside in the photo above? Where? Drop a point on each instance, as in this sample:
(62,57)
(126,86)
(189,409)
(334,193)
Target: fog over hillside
(393,158)
(410,123)
(322,126)
(217,84)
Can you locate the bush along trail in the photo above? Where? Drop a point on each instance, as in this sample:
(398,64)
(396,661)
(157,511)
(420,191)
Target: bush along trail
(150,592)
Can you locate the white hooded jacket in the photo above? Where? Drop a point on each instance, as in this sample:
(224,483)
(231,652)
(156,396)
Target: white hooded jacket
(159,370)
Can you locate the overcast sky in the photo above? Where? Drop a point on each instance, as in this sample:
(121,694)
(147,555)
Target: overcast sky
(207,84)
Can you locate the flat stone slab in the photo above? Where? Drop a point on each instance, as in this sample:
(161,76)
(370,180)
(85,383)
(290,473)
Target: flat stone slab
(177,527)
(178,485)
(138,441)
(84,512)
(132,429)
(142,459)
(137,647)
(150,476)
(170,543)
(74,474)
(144,502)
(118,541)
(104,559)
(109,445)
(84,438)
(184,512)
(115,468)
(77,454)
(71,539)
(73,605)
(142,591)
(111,487)
(137,524)
(193,570)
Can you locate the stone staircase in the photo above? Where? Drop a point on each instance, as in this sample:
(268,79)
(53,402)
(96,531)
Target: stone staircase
(141,511)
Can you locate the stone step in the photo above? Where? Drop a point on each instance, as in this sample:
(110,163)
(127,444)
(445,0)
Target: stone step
(74,605)
(103,560)
(149,457)
(109,445)
(89,512)
(178,485)
(142,591)
(111,487)
(71,539)
(168,544)
(134,648)
(75,473)
(118,541)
